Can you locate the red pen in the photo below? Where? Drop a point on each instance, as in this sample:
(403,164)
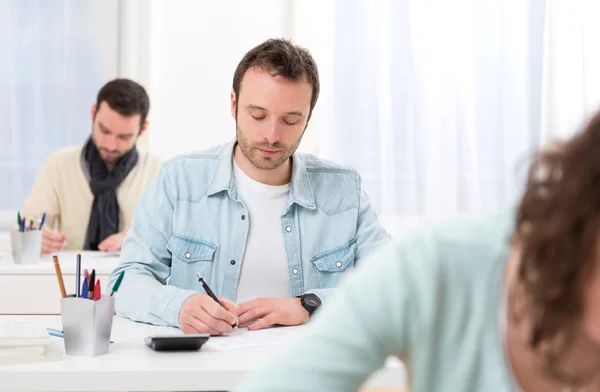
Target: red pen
(97,294)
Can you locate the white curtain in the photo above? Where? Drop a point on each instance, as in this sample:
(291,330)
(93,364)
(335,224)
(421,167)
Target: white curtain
(55,55)
(436,103)
(571,81)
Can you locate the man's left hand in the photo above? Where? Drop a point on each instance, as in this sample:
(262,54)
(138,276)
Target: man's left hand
(112,243)
(266,312)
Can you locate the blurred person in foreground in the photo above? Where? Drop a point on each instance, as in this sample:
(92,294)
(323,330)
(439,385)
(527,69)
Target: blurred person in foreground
(503,303)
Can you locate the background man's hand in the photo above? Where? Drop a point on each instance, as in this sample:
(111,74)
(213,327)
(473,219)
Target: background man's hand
(52,241)
(112,243)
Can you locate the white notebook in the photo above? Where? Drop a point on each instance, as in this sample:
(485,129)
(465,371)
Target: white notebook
(25,340)
(22,332)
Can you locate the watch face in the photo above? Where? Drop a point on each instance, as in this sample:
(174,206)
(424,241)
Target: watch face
(312,301)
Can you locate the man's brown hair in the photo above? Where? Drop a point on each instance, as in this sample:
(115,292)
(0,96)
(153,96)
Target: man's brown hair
(280,57)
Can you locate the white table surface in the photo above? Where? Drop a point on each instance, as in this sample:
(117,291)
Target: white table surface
(132,366)
(17,281)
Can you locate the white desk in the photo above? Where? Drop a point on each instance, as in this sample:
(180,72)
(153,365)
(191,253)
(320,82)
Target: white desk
(33,288)
(131,366)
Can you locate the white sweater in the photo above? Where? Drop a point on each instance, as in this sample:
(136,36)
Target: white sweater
(62,191)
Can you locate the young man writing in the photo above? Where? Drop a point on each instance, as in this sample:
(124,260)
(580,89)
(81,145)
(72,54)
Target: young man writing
(267,228)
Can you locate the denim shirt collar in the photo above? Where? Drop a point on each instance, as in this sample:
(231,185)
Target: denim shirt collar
(301,192)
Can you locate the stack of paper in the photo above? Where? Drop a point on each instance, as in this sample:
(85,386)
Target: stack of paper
(24,340)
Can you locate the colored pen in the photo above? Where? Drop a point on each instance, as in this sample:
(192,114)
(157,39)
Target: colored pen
(61,283)
(97,291)
(212,295)
(86,274)
(55,332)
(117,283)
(43,220)
(19,219)
(78,276)
(58,333)
(91,284)
(84,289)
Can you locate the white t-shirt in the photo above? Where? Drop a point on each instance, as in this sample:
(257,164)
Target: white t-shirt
(264,270)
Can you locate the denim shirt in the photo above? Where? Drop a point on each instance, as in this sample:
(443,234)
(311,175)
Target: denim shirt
(190,220)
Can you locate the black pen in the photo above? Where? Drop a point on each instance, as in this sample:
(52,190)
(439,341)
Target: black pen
(91,285)
(78,276)
(212,295)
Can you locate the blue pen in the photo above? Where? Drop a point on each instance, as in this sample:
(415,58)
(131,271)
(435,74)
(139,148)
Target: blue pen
(55,332)
(43,220)
(60,334)
(84,288)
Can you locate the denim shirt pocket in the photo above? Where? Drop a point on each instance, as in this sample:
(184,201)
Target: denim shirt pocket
(190,255)
(331,263)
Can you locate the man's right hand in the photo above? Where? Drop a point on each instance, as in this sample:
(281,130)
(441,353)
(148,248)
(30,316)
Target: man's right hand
(201,314)
(52,241)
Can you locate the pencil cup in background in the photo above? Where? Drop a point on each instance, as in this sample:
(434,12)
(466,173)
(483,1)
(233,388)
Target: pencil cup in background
(87,325)
(26,246)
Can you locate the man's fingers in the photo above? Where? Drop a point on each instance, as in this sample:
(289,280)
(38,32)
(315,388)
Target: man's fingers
(108,244)
(49,246)
(111,244)
(53,235)
(105,242)
(192,324)
(264,322)
(230,306)
(219,325)
(252,315)
(52,241)
(246,306)
(217,311)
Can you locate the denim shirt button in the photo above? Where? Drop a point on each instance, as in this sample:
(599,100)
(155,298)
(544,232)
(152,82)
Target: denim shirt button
(188,255)
(295,271)
(288,229)
(338,264)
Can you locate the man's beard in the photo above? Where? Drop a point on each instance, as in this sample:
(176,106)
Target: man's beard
(250,150)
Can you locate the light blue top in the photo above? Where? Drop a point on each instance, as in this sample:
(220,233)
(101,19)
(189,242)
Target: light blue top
(190,220)
(432,298)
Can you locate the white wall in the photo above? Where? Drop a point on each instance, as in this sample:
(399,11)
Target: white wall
(195,47)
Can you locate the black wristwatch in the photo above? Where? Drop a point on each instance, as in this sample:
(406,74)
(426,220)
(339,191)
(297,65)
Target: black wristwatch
(310,302)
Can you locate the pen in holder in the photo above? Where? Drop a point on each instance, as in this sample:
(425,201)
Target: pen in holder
(87,325)
(26,246)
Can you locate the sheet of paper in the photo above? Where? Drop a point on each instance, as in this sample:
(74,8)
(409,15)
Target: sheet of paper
(246,339)
(21,328)
(21,332)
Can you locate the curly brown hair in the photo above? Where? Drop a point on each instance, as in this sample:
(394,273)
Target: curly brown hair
(558,222)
